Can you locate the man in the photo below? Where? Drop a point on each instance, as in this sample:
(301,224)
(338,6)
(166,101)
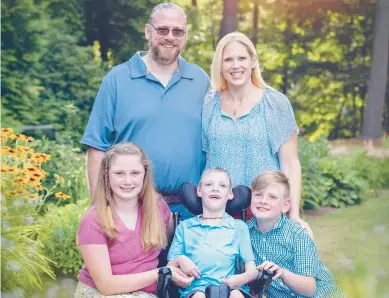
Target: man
(154,100)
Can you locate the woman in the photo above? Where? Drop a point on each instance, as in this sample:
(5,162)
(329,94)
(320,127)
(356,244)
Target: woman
(122,233)
(249,127)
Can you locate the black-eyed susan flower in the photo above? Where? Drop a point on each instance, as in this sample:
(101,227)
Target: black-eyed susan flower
(39,187)
(62,196)
(32,196)
(21,137)
(6,131)
(59,178)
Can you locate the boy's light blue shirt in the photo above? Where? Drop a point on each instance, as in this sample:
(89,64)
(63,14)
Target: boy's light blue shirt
(213,249)
(165,121)
(291,248)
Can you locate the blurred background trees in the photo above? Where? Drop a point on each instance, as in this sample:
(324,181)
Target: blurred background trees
(319,53)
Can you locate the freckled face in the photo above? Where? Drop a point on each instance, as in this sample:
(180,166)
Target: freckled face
(237,64)
(126,176)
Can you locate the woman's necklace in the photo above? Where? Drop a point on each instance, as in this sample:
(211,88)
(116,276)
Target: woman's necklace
(240,102)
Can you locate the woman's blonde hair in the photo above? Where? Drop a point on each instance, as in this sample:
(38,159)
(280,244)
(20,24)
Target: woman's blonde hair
(218,81)
(266,178)
(153,228)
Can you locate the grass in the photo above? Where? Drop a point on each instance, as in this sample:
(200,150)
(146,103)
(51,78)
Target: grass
(354,243)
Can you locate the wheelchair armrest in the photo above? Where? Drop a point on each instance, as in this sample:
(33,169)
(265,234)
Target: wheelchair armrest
(165,286)
(260,285)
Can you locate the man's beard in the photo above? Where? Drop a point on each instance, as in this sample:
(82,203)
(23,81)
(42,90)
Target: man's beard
(157,55)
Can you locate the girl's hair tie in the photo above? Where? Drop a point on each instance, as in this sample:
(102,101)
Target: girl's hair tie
(108,204)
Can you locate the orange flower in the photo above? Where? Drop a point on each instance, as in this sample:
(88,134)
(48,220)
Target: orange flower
(13,136)
(39,175)
(59,178)
(5,149)
(61,195)
(20,191)
(39,187)
(13,170)
(45,157)
(30,139)
(6,131)
(32,196)
(4,169)
(19,181)
(33,180)
(14,152)
(21,137)
(32,170)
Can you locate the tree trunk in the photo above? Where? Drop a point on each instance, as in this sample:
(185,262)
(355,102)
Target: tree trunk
(254,34)
(194,3)
(230,17)
(373,112)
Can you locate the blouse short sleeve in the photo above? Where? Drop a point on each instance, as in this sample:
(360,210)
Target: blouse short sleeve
(208,108)
(165,211)
(280,120)
(90,231)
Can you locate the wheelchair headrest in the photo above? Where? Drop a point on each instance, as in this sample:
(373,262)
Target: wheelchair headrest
(189,198)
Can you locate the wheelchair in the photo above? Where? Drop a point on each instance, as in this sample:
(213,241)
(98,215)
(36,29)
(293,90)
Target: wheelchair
(188,197)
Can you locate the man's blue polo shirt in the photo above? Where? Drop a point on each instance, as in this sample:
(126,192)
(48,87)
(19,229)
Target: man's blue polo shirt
(213,249)
(133,106)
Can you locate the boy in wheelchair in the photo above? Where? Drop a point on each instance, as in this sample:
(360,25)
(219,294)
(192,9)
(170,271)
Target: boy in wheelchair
(282,246)
(206,246)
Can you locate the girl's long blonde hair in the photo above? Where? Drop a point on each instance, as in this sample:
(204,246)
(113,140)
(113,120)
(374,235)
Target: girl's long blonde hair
(218,81)
(153,228)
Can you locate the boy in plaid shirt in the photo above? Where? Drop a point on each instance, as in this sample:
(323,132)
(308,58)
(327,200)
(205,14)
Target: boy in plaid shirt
(282,246)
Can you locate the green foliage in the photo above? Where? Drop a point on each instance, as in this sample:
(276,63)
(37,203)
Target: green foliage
(338,181)
(69,162)
(47,77)
(58,236)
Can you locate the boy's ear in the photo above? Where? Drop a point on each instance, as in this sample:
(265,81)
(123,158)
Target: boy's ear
(286,207)
(198,191)
(231,195)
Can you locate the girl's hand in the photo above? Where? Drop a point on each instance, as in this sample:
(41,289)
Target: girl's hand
(187,266)
(279,272)
(179,278)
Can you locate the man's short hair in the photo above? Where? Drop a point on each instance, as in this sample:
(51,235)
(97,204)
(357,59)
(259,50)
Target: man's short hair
(162,6)
(268,177)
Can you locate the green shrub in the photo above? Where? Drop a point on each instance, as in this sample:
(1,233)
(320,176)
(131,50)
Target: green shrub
(58,236)
(338,181)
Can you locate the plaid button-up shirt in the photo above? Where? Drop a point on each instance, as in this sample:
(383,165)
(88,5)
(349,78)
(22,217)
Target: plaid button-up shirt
(291,248)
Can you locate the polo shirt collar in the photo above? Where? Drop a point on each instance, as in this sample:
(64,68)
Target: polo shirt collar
(138,67)
(252,224)
(226,222)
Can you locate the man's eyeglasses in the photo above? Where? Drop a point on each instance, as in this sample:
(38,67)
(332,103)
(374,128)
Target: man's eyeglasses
(165,31)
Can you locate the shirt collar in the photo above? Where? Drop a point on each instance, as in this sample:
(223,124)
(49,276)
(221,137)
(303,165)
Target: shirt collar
(226,222)
(252,224)
(138,67)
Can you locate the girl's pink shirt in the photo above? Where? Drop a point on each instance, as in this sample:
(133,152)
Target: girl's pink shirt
(126,252)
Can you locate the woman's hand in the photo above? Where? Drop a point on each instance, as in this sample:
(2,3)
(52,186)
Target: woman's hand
(304,224)
(179,278)
(279,272)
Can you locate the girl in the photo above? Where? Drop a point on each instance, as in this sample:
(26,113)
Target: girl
(207,245)
(122,233)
